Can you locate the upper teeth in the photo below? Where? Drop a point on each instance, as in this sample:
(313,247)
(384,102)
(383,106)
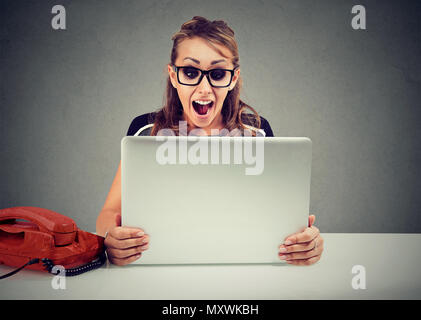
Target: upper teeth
(202,102)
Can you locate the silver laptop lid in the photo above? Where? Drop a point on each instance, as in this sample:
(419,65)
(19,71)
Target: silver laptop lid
(215,199)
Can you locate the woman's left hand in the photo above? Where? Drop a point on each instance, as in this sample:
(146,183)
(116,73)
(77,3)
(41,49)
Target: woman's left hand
(303,248)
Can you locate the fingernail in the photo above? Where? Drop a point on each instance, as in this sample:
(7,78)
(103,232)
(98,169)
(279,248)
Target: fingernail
(139,234)
(145,240)
(282,250)
(288,242)
(283,257)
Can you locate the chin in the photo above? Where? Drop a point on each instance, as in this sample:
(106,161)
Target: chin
(199,123)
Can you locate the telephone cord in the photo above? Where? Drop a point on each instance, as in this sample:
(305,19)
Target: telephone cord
(49,265)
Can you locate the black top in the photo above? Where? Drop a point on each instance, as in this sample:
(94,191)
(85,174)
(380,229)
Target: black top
(149,118)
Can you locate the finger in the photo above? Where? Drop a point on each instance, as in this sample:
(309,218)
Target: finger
(311,220)
(121,233)
(304,262)
(318,241)
(301,255)
(114,243)
(298,247)
(125,253)
(118,220)
(124,261)
(307,235)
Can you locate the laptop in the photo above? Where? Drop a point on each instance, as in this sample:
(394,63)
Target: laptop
(215,200)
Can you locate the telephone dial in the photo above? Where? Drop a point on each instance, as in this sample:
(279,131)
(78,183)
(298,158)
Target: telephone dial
(39,239)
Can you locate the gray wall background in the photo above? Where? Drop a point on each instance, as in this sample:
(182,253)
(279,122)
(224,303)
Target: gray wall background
(67,98)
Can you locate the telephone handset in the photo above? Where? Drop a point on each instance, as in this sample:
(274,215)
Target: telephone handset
(39,238)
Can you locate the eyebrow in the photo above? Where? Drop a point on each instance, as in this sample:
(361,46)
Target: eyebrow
(198,62)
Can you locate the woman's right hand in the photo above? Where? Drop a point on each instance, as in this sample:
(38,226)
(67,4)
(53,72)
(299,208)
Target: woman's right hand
(125,244)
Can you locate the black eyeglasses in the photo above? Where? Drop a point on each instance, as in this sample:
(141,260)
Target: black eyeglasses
(191,76)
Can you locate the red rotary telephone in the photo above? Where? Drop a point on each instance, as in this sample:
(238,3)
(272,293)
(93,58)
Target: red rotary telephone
(39,238)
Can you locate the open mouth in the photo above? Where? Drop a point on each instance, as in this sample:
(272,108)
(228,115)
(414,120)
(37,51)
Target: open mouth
(202,107)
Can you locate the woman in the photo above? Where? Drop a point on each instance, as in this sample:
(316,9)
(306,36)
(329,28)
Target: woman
(203,92)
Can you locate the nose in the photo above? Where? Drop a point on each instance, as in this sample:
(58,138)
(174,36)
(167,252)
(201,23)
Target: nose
(204,86)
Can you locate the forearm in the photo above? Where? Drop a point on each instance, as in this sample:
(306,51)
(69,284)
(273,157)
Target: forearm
(106,220)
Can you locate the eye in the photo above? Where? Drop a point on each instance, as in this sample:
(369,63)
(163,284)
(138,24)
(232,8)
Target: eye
(190,72)
(218,74)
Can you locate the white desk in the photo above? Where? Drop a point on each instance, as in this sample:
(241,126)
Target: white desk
(391,261)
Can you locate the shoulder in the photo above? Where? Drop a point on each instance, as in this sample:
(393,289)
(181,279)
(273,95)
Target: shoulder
(141,124)
(264,125)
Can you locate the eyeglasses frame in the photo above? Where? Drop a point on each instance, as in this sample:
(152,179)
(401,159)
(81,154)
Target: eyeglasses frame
(202,74)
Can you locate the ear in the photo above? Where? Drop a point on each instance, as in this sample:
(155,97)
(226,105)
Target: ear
(172,75)
(234,79)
